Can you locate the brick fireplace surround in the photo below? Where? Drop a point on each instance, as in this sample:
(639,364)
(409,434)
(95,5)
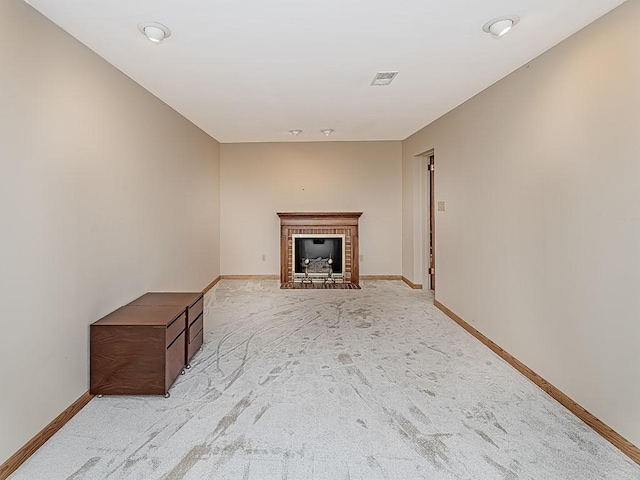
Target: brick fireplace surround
(320,223)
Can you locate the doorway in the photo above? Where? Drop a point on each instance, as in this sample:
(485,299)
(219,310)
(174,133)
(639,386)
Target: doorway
(431,253)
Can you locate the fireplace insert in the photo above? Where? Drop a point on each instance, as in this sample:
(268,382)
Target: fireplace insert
(318,255)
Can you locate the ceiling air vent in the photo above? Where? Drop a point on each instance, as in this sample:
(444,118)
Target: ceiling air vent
(383,78)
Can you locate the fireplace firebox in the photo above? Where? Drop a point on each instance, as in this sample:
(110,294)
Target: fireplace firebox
(317,256)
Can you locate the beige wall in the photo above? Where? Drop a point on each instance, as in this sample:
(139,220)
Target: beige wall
(105,193)
(539,247)
(260,179)
(415,216)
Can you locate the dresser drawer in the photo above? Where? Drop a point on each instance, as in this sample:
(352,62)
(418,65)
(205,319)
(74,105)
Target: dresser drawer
(176,328)
(195,310)
(174,360)
(195,345)
(195,328)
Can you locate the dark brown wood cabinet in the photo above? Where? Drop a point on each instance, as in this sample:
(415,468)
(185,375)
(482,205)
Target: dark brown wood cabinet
(137,350)
(141,348)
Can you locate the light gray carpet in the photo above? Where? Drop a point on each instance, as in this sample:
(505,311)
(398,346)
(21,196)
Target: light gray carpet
(332,384)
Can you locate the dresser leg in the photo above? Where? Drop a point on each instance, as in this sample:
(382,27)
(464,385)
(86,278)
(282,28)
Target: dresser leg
(167,395)
(188,366)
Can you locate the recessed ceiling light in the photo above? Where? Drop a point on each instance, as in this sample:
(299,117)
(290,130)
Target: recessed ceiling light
(327,131)
(383,78)
(154,31)
(295,133)
(501,25)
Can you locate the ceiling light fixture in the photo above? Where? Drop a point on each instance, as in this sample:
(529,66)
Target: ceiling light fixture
(327,131)
(295,133)
(501,25)
(154,31)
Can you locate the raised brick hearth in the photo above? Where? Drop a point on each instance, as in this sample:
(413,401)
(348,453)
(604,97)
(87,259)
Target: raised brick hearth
(319,223)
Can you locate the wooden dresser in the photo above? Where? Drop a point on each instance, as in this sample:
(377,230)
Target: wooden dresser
(141,348)
(137,350)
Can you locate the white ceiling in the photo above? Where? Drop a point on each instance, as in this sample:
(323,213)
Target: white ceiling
(251,70)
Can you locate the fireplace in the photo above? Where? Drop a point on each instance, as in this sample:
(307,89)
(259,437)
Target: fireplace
(318,256)
(318,248)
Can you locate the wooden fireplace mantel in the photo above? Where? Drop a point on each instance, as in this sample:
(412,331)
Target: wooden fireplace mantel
(345,223)
(312,218)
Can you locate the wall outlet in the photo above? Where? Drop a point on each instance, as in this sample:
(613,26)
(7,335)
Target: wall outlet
(264,257)
(441,206)
(361,257)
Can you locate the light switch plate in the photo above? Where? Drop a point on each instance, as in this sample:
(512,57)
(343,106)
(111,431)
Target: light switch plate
(441,206)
